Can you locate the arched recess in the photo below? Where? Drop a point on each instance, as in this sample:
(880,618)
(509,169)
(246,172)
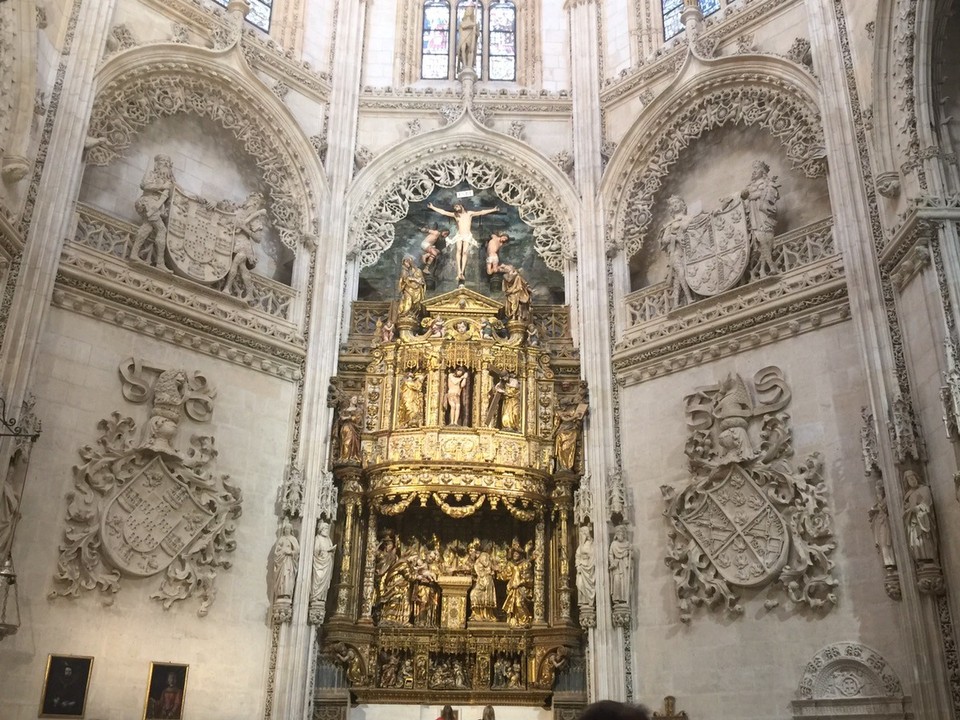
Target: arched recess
(904,128)
(145,83)
(465,150)
(765,91)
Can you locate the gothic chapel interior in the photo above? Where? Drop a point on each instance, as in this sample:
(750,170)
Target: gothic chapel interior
(360,358)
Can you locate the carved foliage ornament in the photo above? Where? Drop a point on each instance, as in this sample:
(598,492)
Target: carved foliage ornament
(374,226)
(141,507)
(795,124)
(748,517)
(128,105)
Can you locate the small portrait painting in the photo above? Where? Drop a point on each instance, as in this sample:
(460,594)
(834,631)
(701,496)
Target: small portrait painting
(65,686)
(165,691)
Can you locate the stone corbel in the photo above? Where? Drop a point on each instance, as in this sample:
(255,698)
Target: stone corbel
(14,168)
(913,262)
(888,184)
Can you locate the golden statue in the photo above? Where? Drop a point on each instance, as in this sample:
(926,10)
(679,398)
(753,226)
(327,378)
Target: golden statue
(566,435)
(410,407)
(412,287)
(510,418)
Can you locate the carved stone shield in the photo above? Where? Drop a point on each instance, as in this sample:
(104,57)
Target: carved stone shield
(200,238)
(718,249)
(740,530)
(151,520)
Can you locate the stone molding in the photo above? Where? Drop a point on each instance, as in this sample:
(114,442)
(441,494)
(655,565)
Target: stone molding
(515,101)
(18,84)
(769,92)
(463,150)
(140,85)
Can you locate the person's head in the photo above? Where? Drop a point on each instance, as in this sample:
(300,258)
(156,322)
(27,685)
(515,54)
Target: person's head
(67,671)
(760,168)
(446,713)
(171,679)
(488,713)
(612,710)
(911,479)
(676,205)
(458,208)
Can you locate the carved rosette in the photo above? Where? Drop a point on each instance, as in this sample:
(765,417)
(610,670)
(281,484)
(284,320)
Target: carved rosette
(747,518)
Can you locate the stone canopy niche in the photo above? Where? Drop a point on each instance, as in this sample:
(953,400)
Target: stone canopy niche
(457,449)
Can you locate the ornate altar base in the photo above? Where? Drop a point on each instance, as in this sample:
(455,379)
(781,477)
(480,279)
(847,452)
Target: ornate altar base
(432,712)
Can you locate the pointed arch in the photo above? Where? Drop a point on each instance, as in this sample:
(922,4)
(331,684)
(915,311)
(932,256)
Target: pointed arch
(770,92)
(140,85)
(464,150)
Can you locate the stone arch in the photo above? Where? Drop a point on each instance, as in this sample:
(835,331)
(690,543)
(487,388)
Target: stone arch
(770,92)
(140,85)
(464,150)
(851,679)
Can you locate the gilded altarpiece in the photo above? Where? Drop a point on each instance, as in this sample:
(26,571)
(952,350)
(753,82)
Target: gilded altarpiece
(456,450)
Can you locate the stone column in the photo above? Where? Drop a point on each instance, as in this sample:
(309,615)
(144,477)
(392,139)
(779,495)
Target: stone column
(606,666)
(852,223)
(292,672)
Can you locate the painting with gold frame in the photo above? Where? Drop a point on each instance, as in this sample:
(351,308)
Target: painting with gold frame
(166,691)
(65,685)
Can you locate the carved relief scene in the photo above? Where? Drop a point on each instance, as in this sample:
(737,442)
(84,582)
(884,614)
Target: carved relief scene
(730,212)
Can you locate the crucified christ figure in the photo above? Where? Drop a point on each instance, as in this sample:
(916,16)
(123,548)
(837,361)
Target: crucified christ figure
(463,240)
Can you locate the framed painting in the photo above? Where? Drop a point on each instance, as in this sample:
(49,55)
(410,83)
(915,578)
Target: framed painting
(65,685)
(166,691)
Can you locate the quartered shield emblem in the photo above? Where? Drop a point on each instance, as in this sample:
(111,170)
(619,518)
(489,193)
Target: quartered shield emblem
(718,249)
(151,520)
(200,238)
(740,530)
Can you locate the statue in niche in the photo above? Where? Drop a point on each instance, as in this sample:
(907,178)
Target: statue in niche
(152,207)
(456,399)
(410,409)
(495,402)
(921,521)
(497,240)
(760,198)
(510,417)
(429,246)
(516,304)
(412,287)
(463,241)
(395,596)
(483,594)
(568,424)
(518,604)
(673,242)
(880,524)
(348,431)
(467,34)
(285,556)
(323,549)
(586,565)
(553,663)
(389,669)
(248,232)
(620,557)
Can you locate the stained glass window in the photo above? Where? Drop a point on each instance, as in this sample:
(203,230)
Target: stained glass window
(259,14)
(503,45)
(461,8)
(435,58)
(672,10)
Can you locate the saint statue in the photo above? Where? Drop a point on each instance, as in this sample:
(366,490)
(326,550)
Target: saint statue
(455,399)
(518,604)
(880,524)
(516,289)
(483,594)
(510,416)
(247,232)
(410,407)
(412,287)
(620,556)
(463,241)
(348,431)
(566,436)
(586,565)
(918,514)
(467,37)
(495,403)
(323,549)
(285,556)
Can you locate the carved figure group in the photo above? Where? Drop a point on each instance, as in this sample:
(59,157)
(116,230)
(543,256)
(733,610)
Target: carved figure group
(448,672)
(507,673)
(463,242)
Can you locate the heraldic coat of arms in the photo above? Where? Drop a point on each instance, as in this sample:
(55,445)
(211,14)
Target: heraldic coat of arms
(747,517)
(141,507)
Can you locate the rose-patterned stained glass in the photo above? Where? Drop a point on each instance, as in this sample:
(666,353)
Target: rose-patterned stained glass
(503,46)
(435,56)
(259,14)
(671,15)
(461,7)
